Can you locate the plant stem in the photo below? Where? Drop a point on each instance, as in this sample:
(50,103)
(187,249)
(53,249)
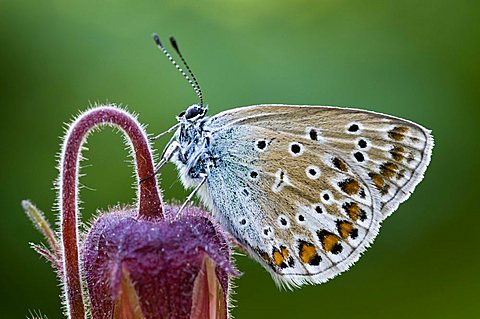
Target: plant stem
(149,201)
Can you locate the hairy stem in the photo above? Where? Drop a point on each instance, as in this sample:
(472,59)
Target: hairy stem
(149,201)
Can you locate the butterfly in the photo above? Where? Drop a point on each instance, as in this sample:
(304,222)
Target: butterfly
(303,188)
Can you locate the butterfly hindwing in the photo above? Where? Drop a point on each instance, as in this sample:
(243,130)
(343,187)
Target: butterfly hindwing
(302,217)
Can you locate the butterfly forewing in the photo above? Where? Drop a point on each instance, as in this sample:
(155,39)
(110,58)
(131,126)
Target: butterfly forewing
(393,152)
(305,188)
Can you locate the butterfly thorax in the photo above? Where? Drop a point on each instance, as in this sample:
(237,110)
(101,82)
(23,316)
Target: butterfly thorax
(192,141)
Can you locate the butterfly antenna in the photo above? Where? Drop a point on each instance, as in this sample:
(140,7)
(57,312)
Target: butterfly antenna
(174,44)
(195,86)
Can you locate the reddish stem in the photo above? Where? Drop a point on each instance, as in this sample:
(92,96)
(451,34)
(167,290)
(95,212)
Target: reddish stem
(149,202)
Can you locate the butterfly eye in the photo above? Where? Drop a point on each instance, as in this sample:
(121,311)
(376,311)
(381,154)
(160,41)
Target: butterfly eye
(191,113)
(194,111)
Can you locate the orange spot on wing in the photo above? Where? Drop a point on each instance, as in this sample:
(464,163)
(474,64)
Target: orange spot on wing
(354,211)
(345,229)
(384,190)
(307,252)
(349,186)
(266,257)
(278,258)
(329,242)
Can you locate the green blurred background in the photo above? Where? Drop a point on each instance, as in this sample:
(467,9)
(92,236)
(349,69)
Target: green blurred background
(414,59)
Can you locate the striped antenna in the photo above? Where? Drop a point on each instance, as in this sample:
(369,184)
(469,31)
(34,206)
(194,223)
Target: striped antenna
(174,44)
(195,86)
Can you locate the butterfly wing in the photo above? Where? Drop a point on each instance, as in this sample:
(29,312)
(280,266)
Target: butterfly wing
(289,185)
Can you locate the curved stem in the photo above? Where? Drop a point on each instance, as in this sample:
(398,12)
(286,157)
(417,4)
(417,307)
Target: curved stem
(149,201)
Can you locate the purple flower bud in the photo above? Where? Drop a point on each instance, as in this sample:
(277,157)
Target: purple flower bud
(172,265)
(139,262)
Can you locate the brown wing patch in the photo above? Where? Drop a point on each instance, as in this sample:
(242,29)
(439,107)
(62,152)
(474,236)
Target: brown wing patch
(388,169)
(340,164)
(398,153)
(397,133)
(377,179)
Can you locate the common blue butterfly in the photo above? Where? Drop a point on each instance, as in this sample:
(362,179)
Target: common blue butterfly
(303,188)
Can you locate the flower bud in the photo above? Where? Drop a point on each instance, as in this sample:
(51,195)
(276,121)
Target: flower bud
(157,268)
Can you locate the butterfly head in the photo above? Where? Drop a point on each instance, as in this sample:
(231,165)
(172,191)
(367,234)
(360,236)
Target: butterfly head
(193,113)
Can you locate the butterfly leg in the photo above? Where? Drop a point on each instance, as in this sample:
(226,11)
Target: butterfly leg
(189,198)
(171,148)
(165,132)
